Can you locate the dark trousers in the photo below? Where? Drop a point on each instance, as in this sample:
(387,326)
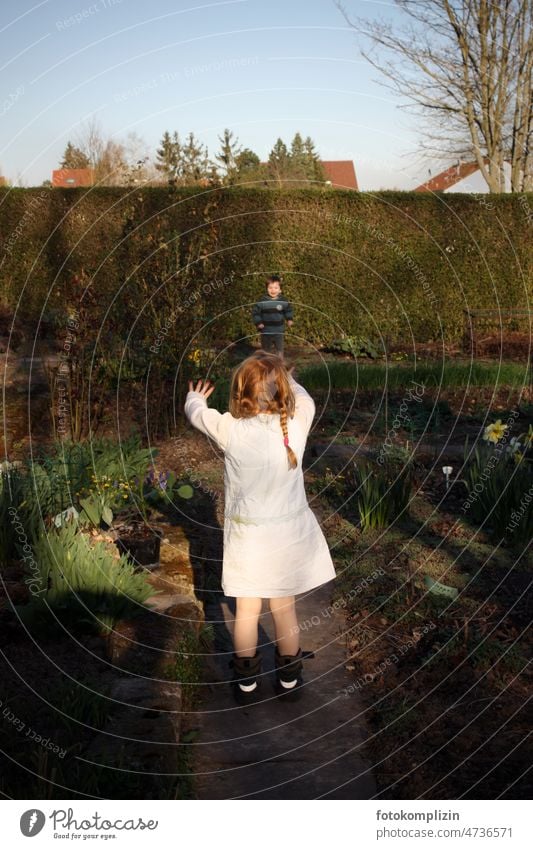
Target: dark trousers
(272,342)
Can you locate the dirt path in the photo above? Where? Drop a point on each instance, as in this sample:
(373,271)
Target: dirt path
(270,750)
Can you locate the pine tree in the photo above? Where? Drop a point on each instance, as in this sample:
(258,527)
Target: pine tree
(279,162)
(299,159)
(169,156)
(314,168)
(298,151)
(229,151)
(73,157)
(196,165)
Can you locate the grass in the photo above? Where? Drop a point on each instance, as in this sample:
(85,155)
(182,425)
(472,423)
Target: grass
(346,375)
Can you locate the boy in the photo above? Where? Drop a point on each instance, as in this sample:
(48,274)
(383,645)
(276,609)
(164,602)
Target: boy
(269,315)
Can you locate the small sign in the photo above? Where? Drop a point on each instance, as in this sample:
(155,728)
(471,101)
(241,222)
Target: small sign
(440,589)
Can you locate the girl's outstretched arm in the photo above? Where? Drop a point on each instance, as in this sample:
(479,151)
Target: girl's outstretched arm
(214,424)
(305,406)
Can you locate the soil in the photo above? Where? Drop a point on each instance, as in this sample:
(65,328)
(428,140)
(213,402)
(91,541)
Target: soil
(446,721)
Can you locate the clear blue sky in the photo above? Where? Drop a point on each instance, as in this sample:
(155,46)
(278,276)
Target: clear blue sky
(264,68)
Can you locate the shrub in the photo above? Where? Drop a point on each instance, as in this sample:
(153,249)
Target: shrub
(356,346)
(388,256)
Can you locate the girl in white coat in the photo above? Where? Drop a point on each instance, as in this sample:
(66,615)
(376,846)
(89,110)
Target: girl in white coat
(274,547)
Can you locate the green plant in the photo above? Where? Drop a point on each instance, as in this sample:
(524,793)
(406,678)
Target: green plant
(82,582)
(499,481)
(382,492)
(188,663)
(12,495)
(78,702)
(126,460)
(356,346)
(397,377)
(148,238)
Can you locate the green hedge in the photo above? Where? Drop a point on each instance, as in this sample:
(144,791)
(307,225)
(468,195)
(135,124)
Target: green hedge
(386,264)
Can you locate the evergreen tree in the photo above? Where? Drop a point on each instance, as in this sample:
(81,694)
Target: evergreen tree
(299,159)
(196,165)
(249,168)
(246,159)
(298,151)
(229,151)
(168,156)
(314,168)
(73,157)
(279,162)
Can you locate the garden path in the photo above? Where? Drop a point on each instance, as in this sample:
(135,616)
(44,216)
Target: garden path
(271,750)
(307,749)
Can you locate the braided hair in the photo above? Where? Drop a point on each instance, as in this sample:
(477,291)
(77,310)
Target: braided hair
(291,456)
(261,384)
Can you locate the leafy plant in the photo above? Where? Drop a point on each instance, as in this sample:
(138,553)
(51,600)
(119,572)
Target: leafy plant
(356,346)
(12,495)
(95,510)
(382,492)
(499,482)
(83,582)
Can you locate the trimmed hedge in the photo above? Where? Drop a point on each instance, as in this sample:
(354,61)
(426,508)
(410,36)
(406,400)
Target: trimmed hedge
(163,265)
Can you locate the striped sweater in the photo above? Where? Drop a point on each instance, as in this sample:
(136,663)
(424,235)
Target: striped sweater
(272,312)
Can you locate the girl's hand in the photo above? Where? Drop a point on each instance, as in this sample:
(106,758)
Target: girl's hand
(203,390)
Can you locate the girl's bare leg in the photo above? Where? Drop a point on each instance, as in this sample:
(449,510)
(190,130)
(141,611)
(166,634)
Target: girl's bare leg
(245,632)
(286,624)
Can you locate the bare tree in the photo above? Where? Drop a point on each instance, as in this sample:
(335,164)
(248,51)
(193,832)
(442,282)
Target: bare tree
(105,156)
(466,67)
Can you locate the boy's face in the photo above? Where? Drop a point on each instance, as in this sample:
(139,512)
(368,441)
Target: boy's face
(273,288)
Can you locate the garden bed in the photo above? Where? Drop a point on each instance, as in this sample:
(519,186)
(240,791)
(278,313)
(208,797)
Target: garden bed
(445,683)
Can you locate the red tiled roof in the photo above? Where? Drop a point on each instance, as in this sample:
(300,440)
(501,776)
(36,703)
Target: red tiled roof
(68,178)
(448,178)
(341,172)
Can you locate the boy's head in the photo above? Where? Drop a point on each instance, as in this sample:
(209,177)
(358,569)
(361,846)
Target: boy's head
(273,285)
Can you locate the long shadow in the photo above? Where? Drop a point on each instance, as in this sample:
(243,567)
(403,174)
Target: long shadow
(62,693)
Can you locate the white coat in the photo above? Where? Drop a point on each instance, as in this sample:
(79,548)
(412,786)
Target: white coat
(273,544)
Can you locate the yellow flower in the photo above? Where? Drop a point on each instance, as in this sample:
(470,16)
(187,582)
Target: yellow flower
(494,432)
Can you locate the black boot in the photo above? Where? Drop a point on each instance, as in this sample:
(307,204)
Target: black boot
(288,669)
(245,672)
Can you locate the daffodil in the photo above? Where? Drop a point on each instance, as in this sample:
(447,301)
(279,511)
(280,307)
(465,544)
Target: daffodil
(494,432)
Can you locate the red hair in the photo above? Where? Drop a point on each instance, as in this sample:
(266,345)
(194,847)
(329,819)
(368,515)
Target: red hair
(260,384)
